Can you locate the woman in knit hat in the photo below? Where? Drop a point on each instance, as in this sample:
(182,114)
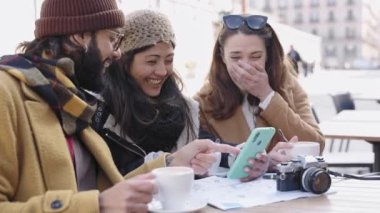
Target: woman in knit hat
(144,103)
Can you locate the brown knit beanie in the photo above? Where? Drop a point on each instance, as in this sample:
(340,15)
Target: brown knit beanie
(65,17)
(146,27)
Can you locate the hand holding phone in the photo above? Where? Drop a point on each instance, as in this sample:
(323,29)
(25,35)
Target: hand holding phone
(257,141)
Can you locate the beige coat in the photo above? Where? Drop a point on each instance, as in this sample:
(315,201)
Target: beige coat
(35,164)
(293,117)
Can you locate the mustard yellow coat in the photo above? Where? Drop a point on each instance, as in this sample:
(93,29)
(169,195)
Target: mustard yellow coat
(293,117)
(35,165)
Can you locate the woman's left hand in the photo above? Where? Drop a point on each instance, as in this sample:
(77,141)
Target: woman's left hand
(257,167)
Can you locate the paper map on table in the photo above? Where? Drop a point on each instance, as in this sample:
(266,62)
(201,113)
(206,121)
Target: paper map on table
(226,193)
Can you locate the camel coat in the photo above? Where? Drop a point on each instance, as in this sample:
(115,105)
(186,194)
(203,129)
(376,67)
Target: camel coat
(36,170)
(293,117)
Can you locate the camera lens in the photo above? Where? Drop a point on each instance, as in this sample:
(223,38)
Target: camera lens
(316,180)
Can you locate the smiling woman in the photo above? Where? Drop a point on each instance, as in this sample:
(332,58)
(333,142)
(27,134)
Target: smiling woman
(152,67)
(146,113)
(250,84)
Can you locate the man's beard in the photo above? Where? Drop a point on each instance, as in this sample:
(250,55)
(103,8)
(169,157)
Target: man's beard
(89,71)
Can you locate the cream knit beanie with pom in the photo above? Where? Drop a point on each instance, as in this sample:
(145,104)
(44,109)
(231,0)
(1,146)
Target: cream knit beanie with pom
(146,27)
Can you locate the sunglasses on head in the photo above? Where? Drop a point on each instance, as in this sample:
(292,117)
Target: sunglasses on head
(254,22)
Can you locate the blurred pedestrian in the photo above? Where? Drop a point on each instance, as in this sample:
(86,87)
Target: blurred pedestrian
(305,68)
(295,58)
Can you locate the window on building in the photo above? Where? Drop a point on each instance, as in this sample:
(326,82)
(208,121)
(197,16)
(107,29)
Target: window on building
(314,16)
(350,33)
(350,2)
(314,3)
(331,34)
(282,4)
(283,17)
(350,15)
(297,3)
(331,16)
(298,19)
(267,6)
(350,50)
(330,51)
(331,2)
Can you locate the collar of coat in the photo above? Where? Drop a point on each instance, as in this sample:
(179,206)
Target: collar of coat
(51,79)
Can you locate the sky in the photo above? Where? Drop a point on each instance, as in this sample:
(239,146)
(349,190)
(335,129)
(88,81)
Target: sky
(17,24)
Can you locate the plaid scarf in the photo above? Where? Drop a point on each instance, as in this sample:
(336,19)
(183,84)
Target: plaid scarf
(51,80)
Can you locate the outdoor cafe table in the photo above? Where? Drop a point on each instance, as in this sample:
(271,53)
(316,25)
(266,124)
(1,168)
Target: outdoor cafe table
(366,97)
(356,124)
(358,116)
(350,196)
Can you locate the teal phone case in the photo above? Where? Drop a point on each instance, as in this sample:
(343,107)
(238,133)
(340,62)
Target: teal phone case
(257,141)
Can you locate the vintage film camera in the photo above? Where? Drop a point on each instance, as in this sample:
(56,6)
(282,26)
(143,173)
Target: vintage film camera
(306,173)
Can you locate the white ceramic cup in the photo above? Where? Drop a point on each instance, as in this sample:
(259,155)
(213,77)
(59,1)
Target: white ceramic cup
(303,148)
(174,186)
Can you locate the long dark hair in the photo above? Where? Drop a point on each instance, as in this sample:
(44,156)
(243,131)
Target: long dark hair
(54,46)
(224,95)
(127,101)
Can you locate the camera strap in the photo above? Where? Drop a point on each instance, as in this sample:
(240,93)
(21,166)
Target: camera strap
(368,176)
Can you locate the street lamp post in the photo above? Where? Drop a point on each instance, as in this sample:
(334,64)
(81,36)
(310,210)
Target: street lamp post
(243,6)
(35,9)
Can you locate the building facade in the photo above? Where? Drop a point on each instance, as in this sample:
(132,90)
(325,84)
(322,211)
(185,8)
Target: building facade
(349,28)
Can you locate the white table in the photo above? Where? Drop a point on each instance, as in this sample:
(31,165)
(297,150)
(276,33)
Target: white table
(366,97)
(356,124)
(351,196)
(358,116)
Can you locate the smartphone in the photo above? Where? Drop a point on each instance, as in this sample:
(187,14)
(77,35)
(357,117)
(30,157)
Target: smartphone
(257,141)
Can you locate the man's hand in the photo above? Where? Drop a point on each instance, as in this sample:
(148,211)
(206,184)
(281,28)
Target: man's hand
(130,195)
(199,155)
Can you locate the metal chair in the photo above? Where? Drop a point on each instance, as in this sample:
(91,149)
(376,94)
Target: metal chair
(344,158)
(342,101)
(314,114)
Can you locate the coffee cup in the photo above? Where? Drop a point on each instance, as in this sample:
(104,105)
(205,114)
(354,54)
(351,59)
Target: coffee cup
(303,148)
(174,186)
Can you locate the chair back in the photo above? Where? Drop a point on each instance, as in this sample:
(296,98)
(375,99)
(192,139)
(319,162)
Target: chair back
(343,101)
(315,114)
